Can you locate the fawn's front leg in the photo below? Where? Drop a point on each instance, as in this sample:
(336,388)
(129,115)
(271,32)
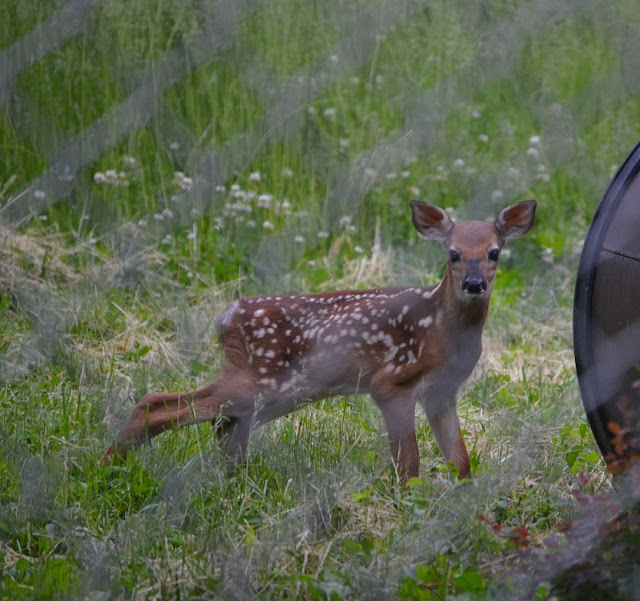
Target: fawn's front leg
(439,404)
(397,405)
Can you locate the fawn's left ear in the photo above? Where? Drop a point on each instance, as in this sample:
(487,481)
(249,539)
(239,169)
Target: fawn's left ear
(515,221)
(430,221)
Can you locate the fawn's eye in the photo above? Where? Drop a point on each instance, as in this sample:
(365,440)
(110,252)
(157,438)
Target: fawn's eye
(494,255)
(454,256)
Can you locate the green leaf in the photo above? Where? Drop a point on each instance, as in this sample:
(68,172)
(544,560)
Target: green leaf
(469,582)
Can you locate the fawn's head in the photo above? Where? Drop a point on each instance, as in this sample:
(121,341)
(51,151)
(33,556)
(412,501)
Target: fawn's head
(473,246)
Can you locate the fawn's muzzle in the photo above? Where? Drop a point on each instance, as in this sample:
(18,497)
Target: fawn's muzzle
(474,285)
(474,282)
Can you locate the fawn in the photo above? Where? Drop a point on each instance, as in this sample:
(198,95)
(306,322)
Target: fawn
(399,344)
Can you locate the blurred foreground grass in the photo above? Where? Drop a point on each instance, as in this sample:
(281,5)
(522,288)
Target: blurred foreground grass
(164,158)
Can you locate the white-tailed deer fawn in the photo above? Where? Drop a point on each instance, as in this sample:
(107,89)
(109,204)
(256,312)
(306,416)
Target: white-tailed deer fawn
(399,344)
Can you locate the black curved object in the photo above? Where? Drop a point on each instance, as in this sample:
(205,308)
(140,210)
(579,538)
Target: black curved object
(606,308)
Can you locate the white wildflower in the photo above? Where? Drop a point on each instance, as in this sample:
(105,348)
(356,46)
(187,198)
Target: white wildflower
(533,152)
(220,189)
(534,140)
(66,175)
(267,225)
(99,177)
(174,146)
(484,138)
(323,235)
(344,143)
(264,201)
(497,195)
(345,221)
(128,161)
(329,113)
(299,239)
(458,163)
(287,173)
(39,195)
(358,249)
(547,256)
(255,177)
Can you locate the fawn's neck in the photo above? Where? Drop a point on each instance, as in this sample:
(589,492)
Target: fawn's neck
(461,315)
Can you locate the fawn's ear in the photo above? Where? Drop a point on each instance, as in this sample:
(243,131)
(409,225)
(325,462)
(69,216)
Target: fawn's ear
(516,220)
(430,221)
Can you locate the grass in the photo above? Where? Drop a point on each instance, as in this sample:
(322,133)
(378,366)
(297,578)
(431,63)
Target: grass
(283,159)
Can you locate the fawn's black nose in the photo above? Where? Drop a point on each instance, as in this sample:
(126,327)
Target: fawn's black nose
(474,285)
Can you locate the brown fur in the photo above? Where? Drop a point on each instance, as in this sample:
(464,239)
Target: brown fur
(399,344)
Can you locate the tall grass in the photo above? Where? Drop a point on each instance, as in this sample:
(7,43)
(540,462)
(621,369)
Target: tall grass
(169,157)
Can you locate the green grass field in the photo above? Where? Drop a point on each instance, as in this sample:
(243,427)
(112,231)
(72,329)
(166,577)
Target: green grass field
(159,159)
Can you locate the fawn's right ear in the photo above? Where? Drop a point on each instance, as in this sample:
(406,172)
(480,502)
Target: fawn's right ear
(430,221)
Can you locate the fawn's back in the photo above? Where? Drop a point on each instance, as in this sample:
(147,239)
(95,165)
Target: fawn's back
(333,342)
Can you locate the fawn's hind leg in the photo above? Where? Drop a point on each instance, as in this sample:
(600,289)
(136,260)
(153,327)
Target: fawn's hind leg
(230,395)
(233,434)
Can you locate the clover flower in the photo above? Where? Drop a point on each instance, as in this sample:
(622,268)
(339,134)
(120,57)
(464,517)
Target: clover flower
(264,201)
